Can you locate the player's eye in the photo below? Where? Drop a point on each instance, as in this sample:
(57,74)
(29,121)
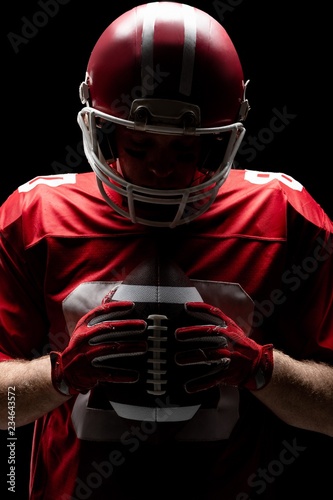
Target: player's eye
(186,157)
(139,154)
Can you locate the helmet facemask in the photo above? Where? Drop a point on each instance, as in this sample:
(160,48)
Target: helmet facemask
(220,147)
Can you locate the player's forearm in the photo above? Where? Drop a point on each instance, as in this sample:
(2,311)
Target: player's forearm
(300,393)
(26,389)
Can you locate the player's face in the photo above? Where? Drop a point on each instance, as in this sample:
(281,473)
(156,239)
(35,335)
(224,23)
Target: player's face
(158,161)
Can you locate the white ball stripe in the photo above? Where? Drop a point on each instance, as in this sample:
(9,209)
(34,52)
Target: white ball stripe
(160,294)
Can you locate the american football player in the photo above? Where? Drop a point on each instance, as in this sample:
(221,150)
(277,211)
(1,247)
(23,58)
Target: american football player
(166,319)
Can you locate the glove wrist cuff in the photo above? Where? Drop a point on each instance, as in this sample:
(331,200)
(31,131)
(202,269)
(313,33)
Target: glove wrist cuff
(264,371)
(58,381)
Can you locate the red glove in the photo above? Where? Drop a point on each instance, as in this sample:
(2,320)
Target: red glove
(103,348)
(222,351)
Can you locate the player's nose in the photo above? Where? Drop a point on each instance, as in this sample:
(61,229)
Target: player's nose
(161,165)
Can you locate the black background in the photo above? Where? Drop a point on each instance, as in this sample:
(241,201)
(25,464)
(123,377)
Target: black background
(285,51)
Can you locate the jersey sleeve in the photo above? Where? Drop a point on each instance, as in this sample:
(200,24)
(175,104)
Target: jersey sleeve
(297,308)
(23,323)
(306,294)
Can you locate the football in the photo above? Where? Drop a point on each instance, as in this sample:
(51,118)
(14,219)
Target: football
(159,289)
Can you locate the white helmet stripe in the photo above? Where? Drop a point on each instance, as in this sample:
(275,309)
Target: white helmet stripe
(190,38)
(147,47)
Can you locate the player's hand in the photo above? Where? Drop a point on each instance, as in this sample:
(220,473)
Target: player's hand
(221,351)
(103,348)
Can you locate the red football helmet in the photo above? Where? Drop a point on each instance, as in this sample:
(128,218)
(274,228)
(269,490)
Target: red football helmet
(165,68)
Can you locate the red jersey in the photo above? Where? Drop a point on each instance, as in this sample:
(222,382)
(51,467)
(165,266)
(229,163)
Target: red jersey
(62,250)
